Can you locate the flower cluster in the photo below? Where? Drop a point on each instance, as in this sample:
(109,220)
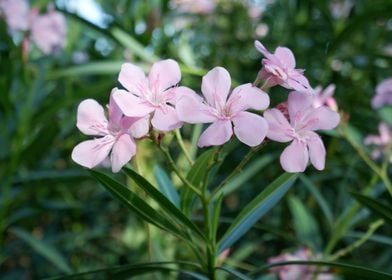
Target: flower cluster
(382,143)
(157,102)
(298,272)
(47,30)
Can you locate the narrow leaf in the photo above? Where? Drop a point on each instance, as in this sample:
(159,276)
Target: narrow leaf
(132,201)
(305,225)
(195,177)
(319,198)
(256,209)
(44,249)
(378,208)
(251,170)
(166,186)
(163,202)
(233,272)
(127,271)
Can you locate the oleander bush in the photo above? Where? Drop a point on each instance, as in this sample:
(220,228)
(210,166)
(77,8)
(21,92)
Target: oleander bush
(211,139)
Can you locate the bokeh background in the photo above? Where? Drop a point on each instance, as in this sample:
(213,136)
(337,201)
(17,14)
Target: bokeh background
(56,219)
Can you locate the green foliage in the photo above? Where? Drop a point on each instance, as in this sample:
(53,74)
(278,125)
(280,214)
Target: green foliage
(55,219)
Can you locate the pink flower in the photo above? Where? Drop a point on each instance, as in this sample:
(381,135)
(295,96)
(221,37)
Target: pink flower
(279,69)
(48,31)
(325,97)
(116,135)
(297,272)
(382,141)
(153,95)
(16,14)
(304,120)
(225,112)
(383,94)
(196,7)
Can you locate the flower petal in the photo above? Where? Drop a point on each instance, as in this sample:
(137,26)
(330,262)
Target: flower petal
(90,153)
(91,118)
(321,118)
(260,47)
(133,78)
(246,97)
(295,157)
(249,128)
(215,86)
(317,151)
(297,81)
(285,56)
(298,103)
(279,128)
(115,113)
(131,105)
(140,127)
(191,108)
(123,150)
(216,134)
(165,119)
(164,74)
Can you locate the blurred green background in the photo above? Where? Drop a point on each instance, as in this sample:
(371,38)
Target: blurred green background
(56,219)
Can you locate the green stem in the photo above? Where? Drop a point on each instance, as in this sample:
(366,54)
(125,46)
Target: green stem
(369,162)
(372,229)
(182,146)
(177,171)
(252,152)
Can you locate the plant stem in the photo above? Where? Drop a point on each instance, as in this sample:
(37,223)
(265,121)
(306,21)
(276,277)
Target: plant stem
(238,169)
(182,146)
(177,171)
(369,162)
(372,228)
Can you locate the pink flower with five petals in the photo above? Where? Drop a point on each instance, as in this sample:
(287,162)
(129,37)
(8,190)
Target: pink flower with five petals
(16,13)
(382,142)
(223,111)
(325,97)
(383,94)
(117,134)
(279,69)
(304,120)
(48,31)
(298,272)
(153,95)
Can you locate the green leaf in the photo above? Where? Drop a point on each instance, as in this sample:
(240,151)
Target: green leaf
(91,68)
(234,272)
(195,176)
(305,225)
(378,208)
(354,271)
(256,209)
(44,249)
(162,201)
(250,171)
(166,186)
(216,215)
(131,43)
(130,270)
(319,198)
(132,201)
